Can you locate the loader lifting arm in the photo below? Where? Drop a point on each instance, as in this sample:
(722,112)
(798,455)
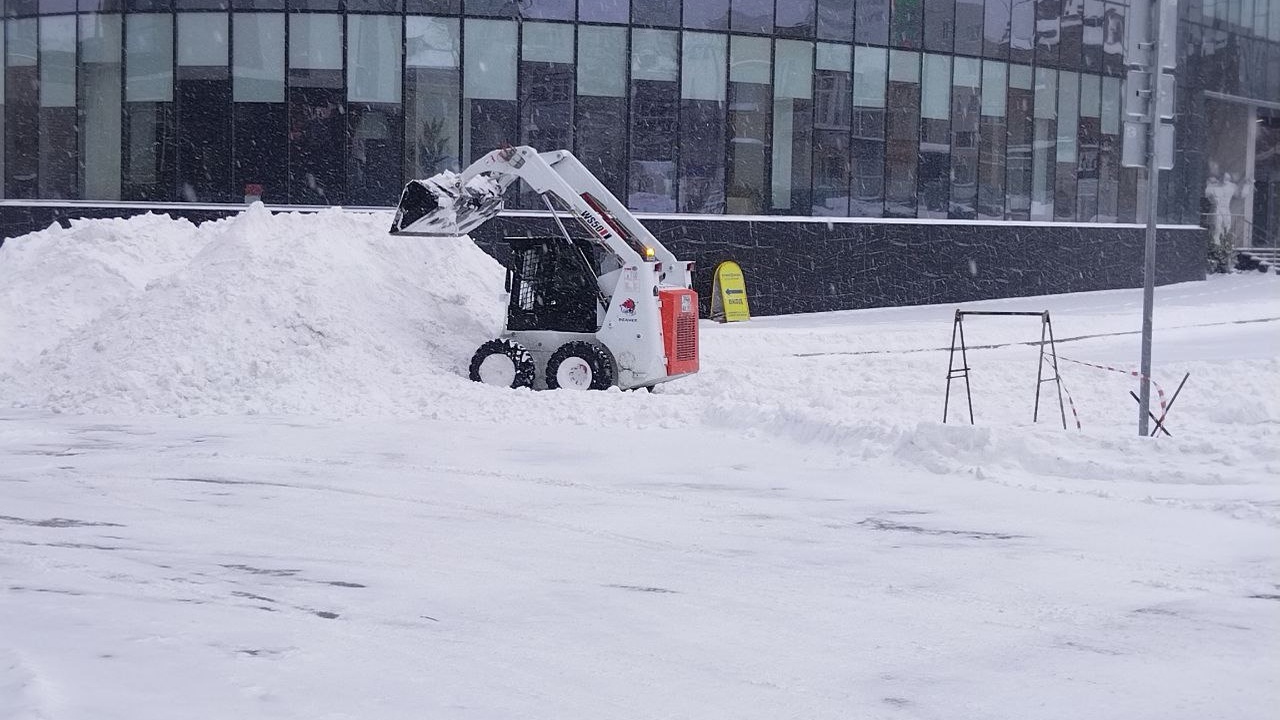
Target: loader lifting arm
(451,204)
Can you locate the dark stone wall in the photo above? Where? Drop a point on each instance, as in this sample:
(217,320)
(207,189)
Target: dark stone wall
(794,267)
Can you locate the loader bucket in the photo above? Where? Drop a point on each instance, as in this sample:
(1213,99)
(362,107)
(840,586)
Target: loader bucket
(442,206)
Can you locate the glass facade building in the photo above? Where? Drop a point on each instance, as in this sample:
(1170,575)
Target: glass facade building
(951,109)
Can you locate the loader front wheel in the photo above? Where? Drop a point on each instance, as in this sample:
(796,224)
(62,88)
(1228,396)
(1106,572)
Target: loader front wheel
(502,362)
(579,365)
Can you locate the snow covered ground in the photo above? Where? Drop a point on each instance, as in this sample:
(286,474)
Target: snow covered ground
(241,475)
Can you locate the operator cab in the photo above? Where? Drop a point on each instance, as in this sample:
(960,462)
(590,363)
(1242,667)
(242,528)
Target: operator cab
(553,286)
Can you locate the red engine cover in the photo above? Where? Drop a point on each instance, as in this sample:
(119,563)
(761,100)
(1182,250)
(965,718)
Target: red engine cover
(679,308)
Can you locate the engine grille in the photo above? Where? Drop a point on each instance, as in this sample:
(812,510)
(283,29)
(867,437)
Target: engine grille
(687,337)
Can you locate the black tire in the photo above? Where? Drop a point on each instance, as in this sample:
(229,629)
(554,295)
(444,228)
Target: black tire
(522,368)
(594,359)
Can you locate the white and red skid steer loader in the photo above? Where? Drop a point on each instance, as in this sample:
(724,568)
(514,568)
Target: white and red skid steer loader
(611,308)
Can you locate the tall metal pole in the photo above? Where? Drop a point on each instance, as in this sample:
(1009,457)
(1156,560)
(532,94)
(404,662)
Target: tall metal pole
(1153,196)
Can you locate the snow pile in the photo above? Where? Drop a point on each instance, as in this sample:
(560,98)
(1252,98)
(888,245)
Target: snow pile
(294,313)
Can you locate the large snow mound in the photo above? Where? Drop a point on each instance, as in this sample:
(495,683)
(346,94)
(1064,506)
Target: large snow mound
(291,313)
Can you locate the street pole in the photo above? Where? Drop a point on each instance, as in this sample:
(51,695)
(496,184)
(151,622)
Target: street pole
(1153,197)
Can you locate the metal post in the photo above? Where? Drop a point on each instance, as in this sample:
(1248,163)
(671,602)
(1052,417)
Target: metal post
(1153,196)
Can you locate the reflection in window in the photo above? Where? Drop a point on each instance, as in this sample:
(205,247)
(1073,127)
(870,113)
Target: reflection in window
(613,11)
(832,119)
(656,12)
(872,22)
(601,105)
(904,23)
(22,108)
(992,129)
(546,92)
(1048,17)
(969,26)
(996,31)
(751,15)
(1072,33)
(1089,149)
(795,18)
(965,109)
(374,114)
(1068,155)
(148,94)
(433,89)
(903,134)
(655,102)
(940,25)
(100,92)
(835,20)
(260,118)
(57,107)
(1113,38)
(707,14)
(750,83)
(1022,31)
(870,70)
(1094,27)
(1109,153)
(1043,148)
(792,125)
(702,123)
(1021,138)
(317,110)
(203,89)
(488,88)
(547,9)
(935,136)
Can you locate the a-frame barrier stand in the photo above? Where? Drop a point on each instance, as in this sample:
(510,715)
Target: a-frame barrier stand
(1046,340)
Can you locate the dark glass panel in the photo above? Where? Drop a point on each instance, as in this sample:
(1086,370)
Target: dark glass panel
(868,146)
(373,6)
(493,8)
(707,14)
(1022,31)
(665,13)
(969,27)
(105,6)
(872,22)
(702,156)
(940,25)
(1048,17)
(58,127)
(792,160)
(904,23)
(902,134)
(832,124)
(601,131)
(374,132)
(317,130)
(202,4)
(835,20)
(1113,39)
(935,137)
(751,15)
(546,92)
(1068,151)
(433,7)
(21,8)
(1089,149)
(150,5)
(996,31)
(992,143)
(1109,151)
(49,7)
(431,120)
(750,103)
(22,123)
(1071,49)
(614,11)
(1044,147)
(654,113)
(204,135)
(261,160)
(100,80)
(330,5)
(965,113)
(150,141)
(1021,135)
(1094,28)
(794,18)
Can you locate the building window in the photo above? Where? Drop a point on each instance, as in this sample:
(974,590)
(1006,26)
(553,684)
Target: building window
(433,95)
(904,23)
(613,11)
(374,112)
(872,22)
(794,18)
(601,106)
(707,14)
(259,114)
(996,30)
(832,125)
(792,126)
(489,108)
(1071,29)
(993,140)
(665,13)
(1047,22)
(204,92)
(1109,153)
(702,123)
(1068,149)
(870,71)
(1021,139)
(100,78)
(940,25)
(750,104)
(655,103)
(546,91)
(148,94)
(317,110)
(1094,29)
(1089,148)
(966,104)
(969,26)
(1022,31)
(58,122)
(754,16)
(835,20)
(1043,147)
(22,109)
(935,137)
(902,151)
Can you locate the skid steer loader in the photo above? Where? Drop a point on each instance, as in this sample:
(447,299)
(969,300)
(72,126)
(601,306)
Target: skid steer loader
(611,306)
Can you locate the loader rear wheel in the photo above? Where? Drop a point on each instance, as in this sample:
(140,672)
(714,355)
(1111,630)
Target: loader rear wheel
(502,362)
(580,365)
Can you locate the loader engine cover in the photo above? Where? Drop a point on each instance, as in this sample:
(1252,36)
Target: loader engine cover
(679,308)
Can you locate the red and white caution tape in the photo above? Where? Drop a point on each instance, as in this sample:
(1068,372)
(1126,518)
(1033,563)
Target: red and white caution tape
(1131,373)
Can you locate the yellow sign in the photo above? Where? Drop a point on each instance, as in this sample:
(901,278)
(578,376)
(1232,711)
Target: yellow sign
(729,294)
